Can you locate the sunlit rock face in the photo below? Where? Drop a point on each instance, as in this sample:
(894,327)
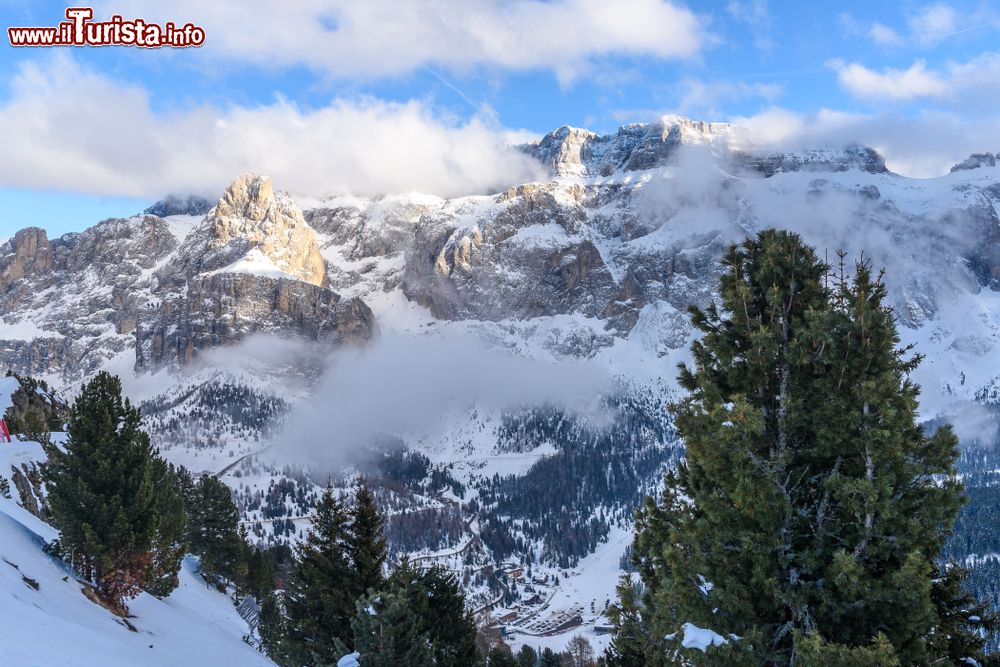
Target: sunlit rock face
(252,221)
(252,266)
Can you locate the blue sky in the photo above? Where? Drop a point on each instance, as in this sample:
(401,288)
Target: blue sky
(335,96)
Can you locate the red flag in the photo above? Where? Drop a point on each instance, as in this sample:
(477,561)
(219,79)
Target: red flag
(4,433)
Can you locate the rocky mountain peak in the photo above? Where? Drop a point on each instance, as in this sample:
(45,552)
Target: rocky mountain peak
(251,198)
(975,161)
(27,253)
(175,205)
(570,151)
(254,229)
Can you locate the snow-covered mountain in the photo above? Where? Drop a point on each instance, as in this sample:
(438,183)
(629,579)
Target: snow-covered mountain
(269,335)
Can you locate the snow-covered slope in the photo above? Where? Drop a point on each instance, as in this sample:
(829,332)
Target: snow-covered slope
(45,619)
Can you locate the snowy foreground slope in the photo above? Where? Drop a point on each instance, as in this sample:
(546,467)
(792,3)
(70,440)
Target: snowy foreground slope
(46,621)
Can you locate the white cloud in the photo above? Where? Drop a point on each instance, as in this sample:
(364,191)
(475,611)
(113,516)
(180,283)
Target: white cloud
(412,386)
(970,86)
(892,84)
(67,127)
(921,147)
(373,38)
(933,23)
(884,35)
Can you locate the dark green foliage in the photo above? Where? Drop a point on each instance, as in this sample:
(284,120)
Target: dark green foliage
(976,529)
(260,573)
(36,410)
(319,603)
(500,656)
(418,616)
(631,644)
(814,652)
(962,622)
(388,632)
(549,658)
(272,628)
(365,541)
(338,581)
(101,491)
(169,540)
(809,498)
(214,531)
(450,627)
(527,657)
(558,501)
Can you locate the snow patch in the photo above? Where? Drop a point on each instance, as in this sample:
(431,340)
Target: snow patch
(698,638)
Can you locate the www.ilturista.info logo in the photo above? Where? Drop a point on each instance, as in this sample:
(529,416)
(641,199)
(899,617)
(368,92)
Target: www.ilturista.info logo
(80,30)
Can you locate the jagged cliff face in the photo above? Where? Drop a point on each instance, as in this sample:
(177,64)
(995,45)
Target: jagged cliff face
(160,290)
(630,229)
(570,151)
(225,308)
(251,224)
(70,305)
(624,236)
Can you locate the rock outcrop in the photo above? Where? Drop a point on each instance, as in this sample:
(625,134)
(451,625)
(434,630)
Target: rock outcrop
(570,151)
(175,205)
(975,161)
(224,308)
(28,254)
(617,244)
(67,306)
(252,223)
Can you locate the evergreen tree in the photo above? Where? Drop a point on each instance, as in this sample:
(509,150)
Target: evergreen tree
(186,485)
(424,607)
(809,511)
(437,601)
(169,543)
(631,645)
(319,602)
(548,658)
(500,656)
(388,632)
(214,531)
(273,630)
(527,657)
(101,491)
(260,574)
(366,543)
(962,622)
